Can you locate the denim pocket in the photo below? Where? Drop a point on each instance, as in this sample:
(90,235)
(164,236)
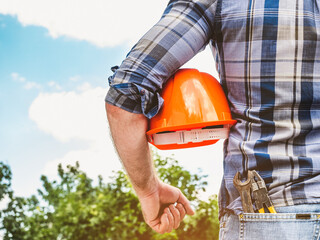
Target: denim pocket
(269,226)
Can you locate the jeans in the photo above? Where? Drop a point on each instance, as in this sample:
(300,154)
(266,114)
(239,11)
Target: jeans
(300,222)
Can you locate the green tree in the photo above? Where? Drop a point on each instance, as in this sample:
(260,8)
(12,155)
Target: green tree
(5,181)
(13,216)
(73,207)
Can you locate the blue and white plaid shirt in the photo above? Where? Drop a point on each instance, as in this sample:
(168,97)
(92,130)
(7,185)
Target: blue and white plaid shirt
(268,57)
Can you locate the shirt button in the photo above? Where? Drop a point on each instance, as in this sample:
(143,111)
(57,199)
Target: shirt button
(142,92)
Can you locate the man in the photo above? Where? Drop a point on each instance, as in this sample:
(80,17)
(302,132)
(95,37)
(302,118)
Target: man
(268,58)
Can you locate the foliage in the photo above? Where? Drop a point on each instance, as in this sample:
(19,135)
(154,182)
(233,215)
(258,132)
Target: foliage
(74,208)
(5,181)
(204,224)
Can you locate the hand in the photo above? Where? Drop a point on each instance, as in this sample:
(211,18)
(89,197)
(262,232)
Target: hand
(165,208)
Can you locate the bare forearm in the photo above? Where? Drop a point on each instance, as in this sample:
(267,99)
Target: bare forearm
(128,133)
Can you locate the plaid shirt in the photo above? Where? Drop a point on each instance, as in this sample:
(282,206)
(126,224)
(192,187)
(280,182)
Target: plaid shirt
(269,64)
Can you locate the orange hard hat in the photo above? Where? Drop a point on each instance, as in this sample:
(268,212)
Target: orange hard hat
(195,112)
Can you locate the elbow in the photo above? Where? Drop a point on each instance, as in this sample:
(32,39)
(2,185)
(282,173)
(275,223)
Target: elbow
(115,114)
(124,123)
(111,110)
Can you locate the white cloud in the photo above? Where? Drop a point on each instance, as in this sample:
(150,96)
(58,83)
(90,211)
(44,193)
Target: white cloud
(101,22)
(97,159)
(71,115)
(17,78)
(75,78)
(32,85)
(85,87)
(80,115)
(26,84)
(76,115)
(104,23)
(54,85)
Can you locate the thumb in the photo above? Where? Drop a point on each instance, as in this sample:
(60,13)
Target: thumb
(186,204)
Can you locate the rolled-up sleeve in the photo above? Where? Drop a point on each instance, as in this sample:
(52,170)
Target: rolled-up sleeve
(184,29)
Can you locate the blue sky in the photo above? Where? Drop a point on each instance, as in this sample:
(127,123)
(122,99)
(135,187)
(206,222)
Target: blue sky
(53,81)
(36,57)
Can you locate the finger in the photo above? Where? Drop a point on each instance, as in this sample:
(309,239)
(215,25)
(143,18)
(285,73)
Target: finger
(185,203)
(176,216)
(181,210)
(171,220)
(163,225)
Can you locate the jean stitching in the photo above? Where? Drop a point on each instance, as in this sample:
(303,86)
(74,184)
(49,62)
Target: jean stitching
(278,216)
(316,230)
(242,226)
(222,227)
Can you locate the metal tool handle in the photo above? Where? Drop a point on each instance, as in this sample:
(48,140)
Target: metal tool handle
(246,201)
(244,189)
